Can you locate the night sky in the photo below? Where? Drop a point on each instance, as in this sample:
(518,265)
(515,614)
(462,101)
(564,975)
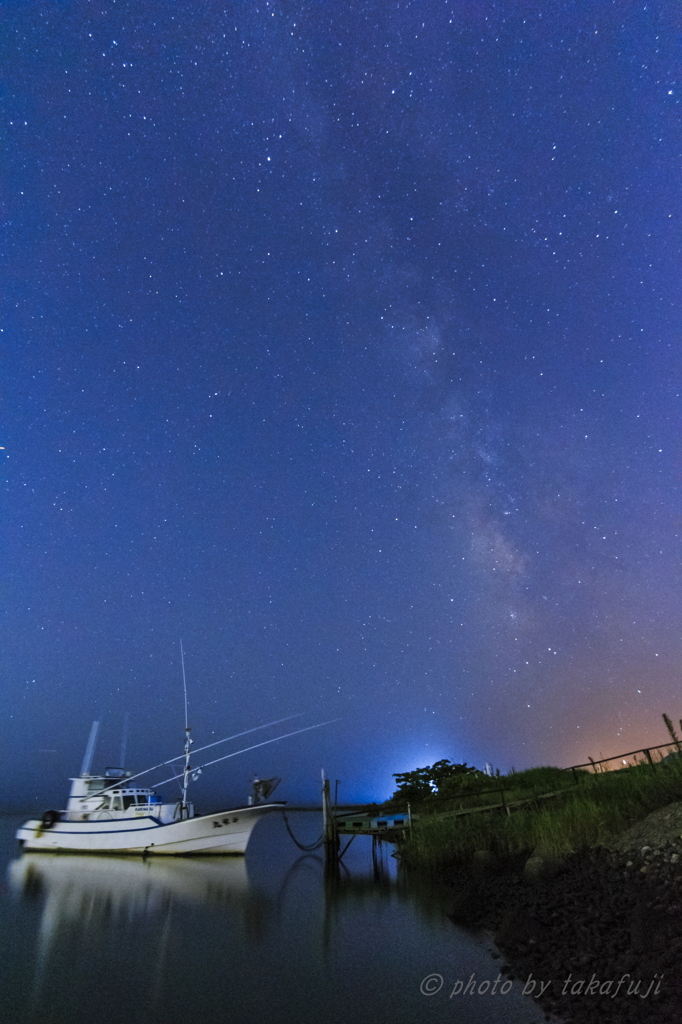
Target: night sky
(340,340)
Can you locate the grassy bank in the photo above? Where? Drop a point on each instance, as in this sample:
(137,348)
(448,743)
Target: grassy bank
(600,806)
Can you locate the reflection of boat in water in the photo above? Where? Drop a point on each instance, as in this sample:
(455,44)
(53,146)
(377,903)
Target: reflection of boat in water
(104,904)
(126,886)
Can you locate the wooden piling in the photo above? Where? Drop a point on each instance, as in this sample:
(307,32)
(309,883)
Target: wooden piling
(331,839)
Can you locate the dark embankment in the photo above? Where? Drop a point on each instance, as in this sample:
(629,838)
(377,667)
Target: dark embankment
(582,895)
(606,937)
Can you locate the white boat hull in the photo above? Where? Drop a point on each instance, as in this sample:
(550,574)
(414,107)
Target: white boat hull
(225,833)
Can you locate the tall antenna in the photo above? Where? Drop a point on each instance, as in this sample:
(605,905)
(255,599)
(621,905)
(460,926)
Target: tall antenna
(124,741)
(90,749)
(184,810)
(184,680)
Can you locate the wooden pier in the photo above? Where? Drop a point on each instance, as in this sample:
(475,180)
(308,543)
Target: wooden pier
(393,827)
(389,828)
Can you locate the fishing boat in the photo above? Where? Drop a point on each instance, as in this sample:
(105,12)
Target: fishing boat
(112,813)
(105,814)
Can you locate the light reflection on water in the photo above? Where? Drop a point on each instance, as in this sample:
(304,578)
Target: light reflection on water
(266,938)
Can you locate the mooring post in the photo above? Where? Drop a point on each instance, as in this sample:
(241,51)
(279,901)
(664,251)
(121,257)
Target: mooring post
(331,840)
(324,805)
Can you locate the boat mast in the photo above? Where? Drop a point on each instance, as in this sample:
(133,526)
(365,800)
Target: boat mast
(184,810)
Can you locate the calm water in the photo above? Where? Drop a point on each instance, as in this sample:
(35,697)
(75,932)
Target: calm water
(89,940)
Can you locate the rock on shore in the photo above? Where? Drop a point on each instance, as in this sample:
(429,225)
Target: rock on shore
(604,928)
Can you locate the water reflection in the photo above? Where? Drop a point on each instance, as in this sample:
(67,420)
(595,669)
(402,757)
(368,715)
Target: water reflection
(88,902)
(84,885)
(274,938)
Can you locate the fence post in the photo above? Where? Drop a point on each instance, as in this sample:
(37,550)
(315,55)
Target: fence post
(648,754)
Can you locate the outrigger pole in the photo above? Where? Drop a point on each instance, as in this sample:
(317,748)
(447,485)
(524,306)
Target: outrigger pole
(193,772)
(245,749)
(178,757)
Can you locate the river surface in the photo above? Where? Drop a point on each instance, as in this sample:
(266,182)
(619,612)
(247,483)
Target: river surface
(254,940)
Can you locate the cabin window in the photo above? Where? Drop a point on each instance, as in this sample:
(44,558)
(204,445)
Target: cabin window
(128,801)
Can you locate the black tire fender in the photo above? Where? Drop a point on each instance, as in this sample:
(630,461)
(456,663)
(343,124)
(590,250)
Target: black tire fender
(50,818)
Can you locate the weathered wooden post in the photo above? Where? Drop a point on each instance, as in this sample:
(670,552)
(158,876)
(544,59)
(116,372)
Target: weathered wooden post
(331,839)
(325,784)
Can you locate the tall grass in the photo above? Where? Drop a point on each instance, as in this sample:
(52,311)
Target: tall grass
(588,814)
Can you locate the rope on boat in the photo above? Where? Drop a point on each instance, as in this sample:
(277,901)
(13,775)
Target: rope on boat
(302,846)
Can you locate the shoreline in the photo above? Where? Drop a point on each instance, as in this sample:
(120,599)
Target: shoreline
(583,932)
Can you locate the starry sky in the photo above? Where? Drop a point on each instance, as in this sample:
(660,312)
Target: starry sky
(340,340)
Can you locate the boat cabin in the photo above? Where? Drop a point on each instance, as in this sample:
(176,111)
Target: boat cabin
(109,796)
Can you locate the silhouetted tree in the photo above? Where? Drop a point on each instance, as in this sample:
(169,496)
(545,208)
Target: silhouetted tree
(423,782)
